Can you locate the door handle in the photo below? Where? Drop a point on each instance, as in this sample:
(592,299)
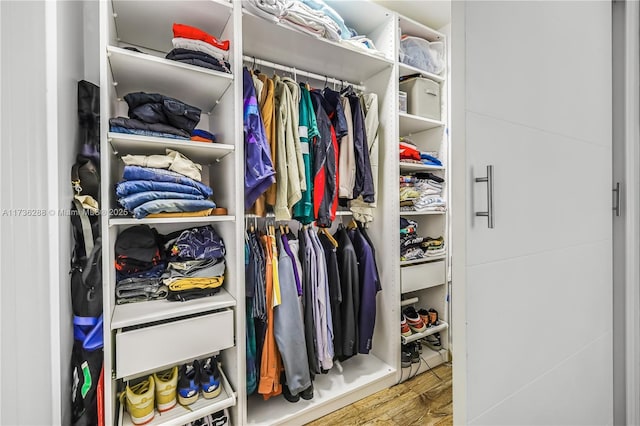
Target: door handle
(616,202)
(489,213)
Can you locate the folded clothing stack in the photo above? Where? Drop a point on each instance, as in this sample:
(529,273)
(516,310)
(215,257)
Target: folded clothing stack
(196,264)
(422,192)
(184,265)
(139,265)
(414,246)
(152,114)
(409,153)
(194,46)
(314,17)
(163,186)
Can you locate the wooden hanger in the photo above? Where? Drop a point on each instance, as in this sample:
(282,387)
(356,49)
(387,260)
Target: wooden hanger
(329,236)
(352,224)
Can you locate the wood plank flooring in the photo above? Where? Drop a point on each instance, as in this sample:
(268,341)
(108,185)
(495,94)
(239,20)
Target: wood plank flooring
(423,400)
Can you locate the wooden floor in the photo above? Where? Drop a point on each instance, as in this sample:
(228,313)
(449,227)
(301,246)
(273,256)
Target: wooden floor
(423,400)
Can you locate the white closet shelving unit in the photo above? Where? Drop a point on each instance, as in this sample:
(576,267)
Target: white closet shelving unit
(144,337)
(423,282)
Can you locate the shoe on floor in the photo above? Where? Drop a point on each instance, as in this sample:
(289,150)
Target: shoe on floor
(140,400)
(166,383)
(404,327)
(188,383)
(307,394)
(413,319)
(210,378)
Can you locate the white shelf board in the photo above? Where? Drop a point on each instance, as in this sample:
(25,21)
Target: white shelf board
(201,152)
(428,332)
(405,69)
(132,19)
(180,415)
(410,124)
(267,40)
(410,27)
(141,72)
(359,373)
(131,314)
(423,260)
(177,220)
(415,167)
(415,213)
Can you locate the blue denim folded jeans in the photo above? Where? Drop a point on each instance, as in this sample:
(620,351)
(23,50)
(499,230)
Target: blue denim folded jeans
(172,206)
(129,187)
(162,175)
(141,132)
(132,201)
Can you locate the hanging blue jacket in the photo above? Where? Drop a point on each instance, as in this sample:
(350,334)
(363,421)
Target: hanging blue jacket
(259,173)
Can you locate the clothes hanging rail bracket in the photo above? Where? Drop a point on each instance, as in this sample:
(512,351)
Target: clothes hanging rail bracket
(296,71)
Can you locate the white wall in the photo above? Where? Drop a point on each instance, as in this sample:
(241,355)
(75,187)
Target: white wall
(73,18)
(24,290)
(619,382)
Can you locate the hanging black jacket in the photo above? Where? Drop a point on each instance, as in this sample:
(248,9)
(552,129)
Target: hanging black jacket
(350,286)
(335,293)
(364,178)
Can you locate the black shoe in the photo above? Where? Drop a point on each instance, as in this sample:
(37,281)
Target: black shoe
(405,359)
(433,342)
(189,383)
(286,392)
(307,394)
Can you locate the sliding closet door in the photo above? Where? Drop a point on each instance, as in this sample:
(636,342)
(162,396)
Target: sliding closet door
(538,284)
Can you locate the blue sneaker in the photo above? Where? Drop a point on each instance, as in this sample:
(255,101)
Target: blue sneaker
(188,384)
(210,378)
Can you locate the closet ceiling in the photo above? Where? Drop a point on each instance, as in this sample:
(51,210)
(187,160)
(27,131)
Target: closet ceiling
(433,13)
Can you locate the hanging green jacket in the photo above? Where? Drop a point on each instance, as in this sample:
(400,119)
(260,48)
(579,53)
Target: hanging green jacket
(308,129)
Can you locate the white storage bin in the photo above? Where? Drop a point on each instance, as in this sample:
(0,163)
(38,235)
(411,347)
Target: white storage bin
(423,97)
(422,54)
(422,275)
(150,348)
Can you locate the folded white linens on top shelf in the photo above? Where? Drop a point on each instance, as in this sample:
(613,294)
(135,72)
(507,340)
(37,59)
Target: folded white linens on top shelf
(314,17)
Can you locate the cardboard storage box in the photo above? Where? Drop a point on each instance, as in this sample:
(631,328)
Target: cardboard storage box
(423,97)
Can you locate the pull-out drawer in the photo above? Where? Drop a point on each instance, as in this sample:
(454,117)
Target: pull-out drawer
(422,275)
(149,348)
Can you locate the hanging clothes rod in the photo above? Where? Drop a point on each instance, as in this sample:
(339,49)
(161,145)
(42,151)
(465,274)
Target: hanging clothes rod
(296,71)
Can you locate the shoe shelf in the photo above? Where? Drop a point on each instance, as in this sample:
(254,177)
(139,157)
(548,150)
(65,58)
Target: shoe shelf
(410,124)
(422,260)
(415,213)
(416,167)
(428,359)
(200,152)
(132,19)
(180,415)
(131,314)
(405,69)
(141,72)
(177,220)
(268,40)
(428,332)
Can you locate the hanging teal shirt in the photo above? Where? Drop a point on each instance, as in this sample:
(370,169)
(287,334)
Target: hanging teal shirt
(307,129)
